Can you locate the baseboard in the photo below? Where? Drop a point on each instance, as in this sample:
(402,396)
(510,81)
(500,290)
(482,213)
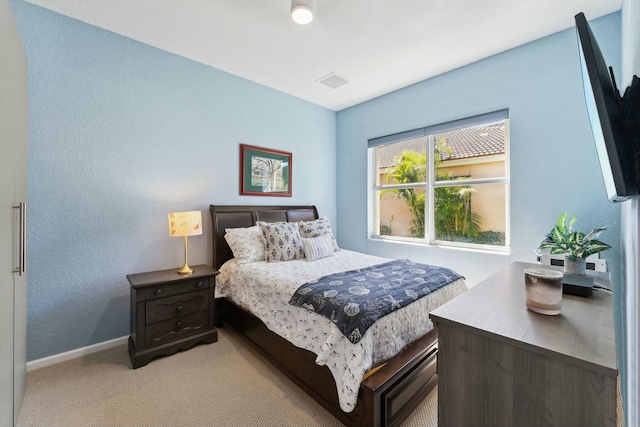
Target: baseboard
(72,354)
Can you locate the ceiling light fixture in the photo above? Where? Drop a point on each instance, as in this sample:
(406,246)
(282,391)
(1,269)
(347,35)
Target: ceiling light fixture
(301,11)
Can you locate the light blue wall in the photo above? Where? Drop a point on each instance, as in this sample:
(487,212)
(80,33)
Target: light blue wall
(554,167)
(121,134)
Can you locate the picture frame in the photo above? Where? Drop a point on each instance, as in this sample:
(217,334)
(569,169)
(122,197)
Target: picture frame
(264,172)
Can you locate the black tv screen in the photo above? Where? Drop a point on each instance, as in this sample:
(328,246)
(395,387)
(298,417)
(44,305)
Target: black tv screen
(613,142)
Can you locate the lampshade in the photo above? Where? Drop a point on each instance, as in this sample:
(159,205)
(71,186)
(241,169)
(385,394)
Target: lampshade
(301,11)
(185,223)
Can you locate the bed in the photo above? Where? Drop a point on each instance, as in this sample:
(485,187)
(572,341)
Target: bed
(386,395)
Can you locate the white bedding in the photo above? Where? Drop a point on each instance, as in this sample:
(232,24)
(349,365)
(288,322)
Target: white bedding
(265,289)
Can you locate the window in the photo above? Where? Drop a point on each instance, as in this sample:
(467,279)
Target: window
(445,184)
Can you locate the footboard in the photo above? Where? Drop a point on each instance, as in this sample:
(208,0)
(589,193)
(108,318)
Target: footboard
(386,397)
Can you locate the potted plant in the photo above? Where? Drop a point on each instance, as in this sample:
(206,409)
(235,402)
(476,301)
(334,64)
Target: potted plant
(577,246)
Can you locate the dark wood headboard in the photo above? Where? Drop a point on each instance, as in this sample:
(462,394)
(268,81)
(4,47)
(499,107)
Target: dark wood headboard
(223,217)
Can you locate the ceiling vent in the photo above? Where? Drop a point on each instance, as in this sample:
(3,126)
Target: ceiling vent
(333,81)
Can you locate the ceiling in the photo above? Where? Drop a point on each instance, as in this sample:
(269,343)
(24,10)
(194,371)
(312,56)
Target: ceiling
(377,45)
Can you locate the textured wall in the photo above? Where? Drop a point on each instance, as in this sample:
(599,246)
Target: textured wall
(121,134)
(554,166)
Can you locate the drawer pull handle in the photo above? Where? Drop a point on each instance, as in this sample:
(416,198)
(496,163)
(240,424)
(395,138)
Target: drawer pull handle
(158,291)
(179,309)
(178,324)
(200,284)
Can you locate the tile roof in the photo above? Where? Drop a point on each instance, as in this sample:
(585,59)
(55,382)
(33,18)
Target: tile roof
(468,142)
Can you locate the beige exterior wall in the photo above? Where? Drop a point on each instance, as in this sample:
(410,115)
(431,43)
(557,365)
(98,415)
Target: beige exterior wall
(488,201)
(395,214)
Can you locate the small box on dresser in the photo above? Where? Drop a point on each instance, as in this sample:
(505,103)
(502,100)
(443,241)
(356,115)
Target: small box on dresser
(170,312)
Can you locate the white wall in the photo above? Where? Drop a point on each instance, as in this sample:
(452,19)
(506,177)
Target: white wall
(630,229)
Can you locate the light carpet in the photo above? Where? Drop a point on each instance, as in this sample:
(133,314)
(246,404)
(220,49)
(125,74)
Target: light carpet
(222,384)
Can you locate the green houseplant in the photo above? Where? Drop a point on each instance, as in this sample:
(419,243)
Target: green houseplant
(577,246)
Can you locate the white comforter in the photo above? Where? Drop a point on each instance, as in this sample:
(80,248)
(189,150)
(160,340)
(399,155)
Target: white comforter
(265,289)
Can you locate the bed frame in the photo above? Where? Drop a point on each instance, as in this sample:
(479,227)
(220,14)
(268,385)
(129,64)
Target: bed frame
(387,396)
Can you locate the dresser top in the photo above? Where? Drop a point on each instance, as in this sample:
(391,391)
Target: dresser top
(582,334)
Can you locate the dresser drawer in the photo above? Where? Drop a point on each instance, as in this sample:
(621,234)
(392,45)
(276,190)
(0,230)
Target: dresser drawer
(164,289)
(415,383)
(176,328)
(179,305)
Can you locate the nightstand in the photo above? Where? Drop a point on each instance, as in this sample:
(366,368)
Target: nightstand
(170,312)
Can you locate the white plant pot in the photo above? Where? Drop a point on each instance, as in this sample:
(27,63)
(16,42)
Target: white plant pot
(577,266)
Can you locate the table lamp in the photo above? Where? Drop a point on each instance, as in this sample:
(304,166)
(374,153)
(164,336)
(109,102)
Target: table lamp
(184,224)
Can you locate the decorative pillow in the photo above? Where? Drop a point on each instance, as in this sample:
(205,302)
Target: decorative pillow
(247,244)
(282,241)
(318,227)
(317,247)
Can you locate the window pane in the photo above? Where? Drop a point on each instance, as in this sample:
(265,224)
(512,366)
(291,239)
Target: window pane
(471,153)
(401,212)
(402,162)
(471,214)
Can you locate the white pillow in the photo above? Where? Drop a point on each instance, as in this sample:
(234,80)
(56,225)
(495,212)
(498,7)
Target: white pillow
(282,241)
(247,244)
(317,247)
(318,227)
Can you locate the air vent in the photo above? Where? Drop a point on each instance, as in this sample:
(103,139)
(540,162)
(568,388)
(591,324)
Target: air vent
(333,81)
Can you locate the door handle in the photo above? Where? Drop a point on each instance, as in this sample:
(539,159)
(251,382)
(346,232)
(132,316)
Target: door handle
(22,238)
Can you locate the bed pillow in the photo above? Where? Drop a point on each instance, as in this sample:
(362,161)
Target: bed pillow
(282,241)
(247,244)
(318,227)
(317,247)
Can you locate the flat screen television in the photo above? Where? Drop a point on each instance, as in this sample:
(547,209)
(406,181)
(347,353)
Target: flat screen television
(608,115)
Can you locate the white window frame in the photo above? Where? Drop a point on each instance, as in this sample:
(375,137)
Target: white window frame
(431,184)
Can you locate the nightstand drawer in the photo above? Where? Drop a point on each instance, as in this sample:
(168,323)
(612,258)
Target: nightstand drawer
(176,328)
(164,289)
(179,305)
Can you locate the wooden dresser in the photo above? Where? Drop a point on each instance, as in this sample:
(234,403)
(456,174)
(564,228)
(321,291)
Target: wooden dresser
(170,312)
(500,364)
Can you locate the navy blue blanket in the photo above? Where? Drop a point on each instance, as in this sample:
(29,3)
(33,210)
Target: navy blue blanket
(354,299)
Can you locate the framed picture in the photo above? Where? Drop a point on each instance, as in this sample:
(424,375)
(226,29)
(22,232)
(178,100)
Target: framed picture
(264,172)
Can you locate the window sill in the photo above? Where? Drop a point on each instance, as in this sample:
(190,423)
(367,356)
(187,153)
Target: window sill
(484,249)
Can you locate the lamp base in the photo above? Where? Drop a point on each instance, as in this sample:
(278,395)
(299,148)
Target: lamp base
(185,270)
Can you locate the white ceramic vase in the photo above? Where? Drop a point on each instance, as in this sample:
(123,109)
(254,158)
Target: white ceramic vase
(576,266)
